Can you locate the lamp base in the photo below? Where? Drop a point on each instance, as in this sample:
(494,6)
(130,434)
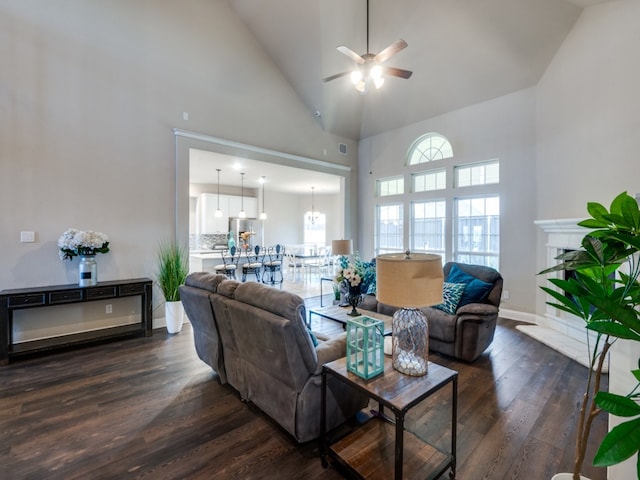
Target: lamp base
(410,349)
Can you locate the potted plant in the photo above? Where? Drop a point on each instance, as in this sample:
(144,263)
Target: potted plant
(173,267)
(603,290)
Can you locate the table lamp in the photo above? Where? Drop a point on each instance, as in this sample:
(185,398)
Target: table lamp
(341,247)
(409,281)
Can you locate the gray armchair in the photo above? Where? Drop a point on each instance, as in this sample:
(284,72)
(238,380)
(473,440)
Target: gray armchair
(470,330)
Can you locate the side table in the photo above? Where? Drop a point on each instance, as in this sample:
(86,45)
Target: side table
(324,279)
(394,452)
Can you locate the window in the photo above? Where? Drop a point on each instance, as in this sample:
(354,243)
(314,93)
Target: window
(477,230)
(390,186)
(429,148)
(315,228)
(429,181)
(440,220)
(389,234)
(428,222)
(478,174)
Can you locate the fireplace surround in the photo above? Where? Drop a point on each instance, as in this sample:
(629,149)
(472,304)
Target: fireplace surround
(557,329)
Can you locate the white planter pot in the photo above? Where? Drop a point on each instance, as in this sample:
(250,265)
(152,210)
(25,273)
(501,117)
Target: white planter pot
(174,316)
(566,476)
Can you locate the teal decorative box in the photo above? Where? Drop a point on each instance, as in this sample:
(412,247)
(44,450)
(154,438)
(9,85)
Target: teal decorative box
(365,346)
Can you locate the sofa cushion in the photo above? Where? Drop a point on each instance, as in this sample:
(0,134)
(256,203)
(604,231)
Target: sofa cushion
(451,295)
(205,280)
(442,325)
(475,290)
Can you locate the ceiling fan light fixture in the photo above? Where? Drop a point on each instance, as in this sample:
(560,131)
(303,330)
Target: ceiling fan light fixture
(376,75)
(356,76)
(368,69)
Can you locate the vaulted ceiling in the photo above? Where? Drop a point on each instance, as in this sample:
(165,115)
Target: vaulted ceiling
(461,52)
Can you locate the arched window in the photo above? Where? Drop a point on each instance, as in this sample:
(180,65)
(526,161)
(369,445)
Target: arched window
(428,148)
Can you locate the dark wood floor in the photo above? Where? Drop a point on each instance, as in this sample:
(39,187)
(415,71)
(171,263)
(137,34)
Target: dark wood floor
(149,408)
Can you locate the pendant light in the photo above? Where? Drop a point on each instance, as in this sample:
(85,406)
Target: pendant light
(263,215)
(242,213)
(311,216)
(218,213)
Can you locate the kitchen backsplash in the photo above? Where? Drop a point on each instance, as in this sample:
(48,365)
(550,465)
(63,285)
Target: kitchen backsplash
(206,241)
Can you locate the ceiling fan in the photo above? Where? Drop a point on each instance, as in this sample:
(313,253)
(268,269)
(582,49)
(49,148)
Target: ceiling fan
(368,69)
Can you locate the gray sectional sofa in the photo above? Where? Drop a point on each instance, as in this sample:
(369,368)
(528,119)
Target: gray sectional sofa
(255,338)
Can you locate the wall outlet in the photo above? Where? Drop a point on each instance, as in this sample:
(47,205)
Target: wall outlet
(27,237)
(505,294)
(109,308)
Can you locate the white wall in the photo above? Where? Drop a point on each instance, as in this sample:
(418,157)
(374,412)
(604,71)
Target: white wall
(91,92)
(502,128)
(587,136)
(588,105)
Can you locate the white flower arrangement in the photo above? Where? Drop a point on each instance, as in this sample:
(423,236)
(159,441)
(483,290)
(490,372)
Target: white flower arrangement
(351,274)
(78,242)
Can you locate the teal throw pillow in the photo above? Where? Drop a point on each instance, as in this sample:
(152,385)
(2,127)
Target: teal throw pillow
(451,295)
(314,340)
(475,291)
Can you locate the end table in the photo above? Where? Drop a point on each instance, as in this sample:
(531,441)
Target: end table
(396,453)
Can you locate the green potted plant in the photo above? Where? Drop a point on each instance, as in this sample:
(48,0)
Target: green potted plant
(603,290)
(173,267)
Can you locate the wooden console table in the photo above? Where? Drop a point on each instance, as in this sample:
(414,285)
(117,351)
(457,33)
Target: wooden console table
(35,297)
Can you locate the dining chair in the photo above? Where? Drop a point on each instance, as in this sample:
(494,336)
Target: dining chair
(272,271)
(253,265)
(320,265)
(295,266)
(229,263)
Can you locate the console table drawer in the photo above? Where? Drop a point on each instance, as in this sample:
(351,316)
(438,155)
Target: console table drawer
(106,292)
(135,289)
(65,297)
(26,300)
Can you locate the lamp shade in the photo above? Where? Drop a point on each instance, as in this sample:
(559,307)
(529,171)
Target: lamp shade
(341,247)
(411,280)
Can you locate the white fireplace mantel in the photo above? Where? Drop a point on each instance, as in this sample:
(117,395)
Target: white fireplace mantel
(557,329)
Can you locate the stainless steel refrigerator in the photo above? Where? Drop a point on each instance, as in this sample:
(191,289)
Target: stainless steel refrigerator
(247,226)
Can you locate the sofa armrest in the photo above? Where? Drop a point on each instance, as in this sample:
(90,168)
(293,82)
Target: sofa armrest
(331,350)
(477,310)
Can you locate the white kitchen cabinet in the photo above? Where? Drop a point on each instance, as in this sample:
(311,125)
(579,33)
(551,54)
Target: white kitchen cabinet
(206,220)
(250,206)
(207,204)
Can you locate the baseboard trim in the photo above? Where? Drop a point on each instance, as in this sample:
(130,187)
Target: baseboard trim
(518,316)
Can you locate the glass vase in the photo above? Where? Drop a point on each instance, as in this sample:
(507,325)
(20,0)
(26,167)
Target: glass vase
(87,271)
(354,298)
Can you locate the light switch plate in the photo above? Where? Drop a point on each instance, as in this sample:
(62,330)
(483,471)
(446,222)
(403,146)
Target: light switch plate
(27,237)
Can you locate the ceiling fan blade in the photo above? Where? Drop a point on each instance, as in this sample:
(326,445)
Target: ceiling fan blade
(396,72)
(333,77)
(350,53)
(390,51)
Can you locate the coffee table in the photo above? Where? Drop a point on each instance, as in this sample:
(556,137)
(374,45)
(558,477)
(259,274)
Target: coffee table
(380,447)
(340,315)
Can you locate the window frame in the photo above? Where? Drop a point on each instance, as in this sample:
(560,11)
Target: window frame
(458,168)
(378,230)
(398,179)
(471,255)
(413,226)
(419,145)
